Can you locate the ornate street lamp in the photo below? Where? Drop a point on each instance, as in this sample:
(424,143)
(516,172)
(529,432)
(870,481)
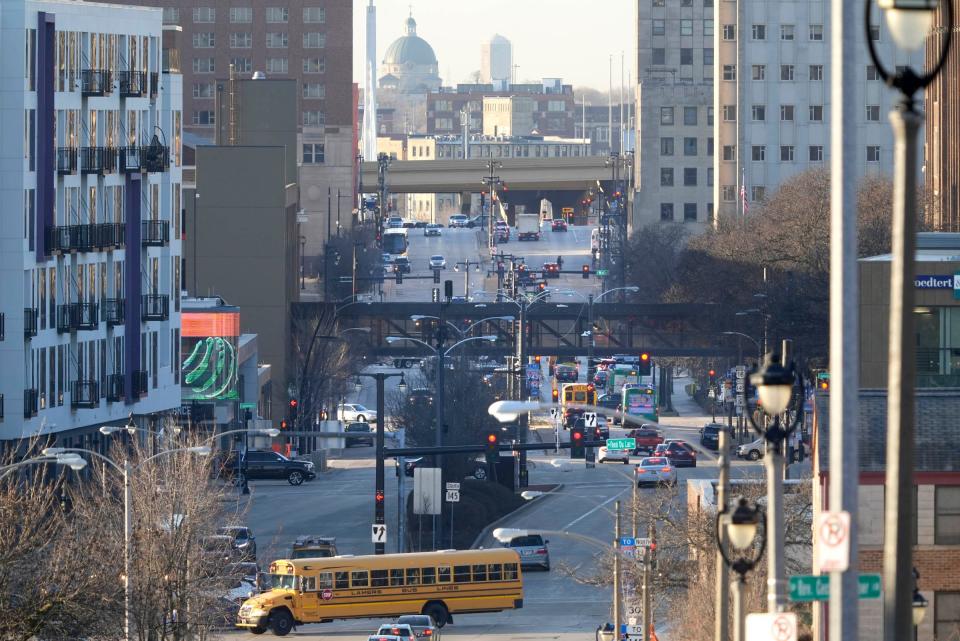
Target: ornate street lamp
(741,528)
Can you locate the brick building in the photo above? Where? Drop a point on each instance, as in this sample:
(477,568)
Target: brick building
(942,158)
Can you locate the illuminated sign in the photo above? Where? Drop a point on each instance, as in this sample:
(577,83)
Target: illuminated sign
(210,353)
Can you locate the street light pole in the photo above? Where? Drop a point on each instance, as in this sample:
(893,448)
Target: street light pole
(721,631)
(127,543)
(616,570)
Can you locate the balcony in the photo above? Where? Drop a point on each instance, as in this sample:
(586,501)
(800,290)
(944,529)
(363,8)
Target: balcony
(98,160)
(155,158)
(66,160)
(132,84)
(114,391)
(109,235)
(130,159)
(141,383)
(72,238)
(3,326)
(30,322)
(1,407)
(74,317)
(154,233)
(31,403)
(84,394)
(95,82)
(155,307)
(114,311)
(154,83)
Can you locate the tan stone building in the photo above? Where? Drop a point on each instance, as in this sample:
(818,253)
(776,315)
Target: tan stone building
(942,109)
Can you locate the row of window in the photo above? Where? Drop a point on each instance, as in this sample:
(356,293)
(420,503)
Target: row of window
(402,577)
(758,113)
(788,32)
(689,212)
(759,72)
(207,89)
(690,146)
(310,117)
(814,153)
(690,115)
(708,4)
(273,65)
(274,40)
(689,176)
(244,15)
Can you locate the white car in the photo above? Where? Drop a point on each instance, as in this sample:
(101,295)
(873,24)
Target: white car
(656,470)
(433,229)
(354,412)
(605,454)
(438,262)
(394,632)
(752,451)
(395,222)
(458,220)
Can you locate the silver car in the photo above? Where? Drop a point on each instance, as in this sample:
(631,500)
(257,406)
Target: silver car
(752,451)
(656,470)
(532,549)
(433,229)
(423,625)
(437,261)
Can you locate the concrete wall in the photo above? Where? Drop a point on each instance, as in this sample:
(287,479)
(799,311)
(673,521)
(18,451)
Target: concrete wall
(265,113)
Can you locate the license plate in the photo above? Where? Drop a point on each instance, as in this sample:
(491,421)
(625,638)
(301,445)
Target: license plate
(526,552)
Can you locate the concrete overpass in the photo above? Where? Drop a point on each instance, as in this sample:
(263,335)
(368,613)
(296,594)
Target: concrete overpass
(520,174)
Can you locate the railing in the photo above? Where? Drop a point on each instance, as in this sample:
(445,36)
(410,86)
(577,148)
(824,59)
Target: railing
(155,307)
(109,235)
(31,403)
(95,82)
(30,315)
(98,160)
(938,367)
(154,83)
(1,407)
(155,158)
(3,326)
(72,317)
(72,238)
(114,391)
(141,383)
(84,394)
(130,159)
(154,233)
(66,160)
(114,311)
(131,84)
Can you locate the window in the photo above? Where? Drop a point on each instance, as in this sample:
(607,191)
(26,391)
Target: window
(314,40)
(659,28)
(758,193)
(686,56)
(689,146)
(758,152)
(443,574)
(278,14)
(360,579)
(413,576)
(710,146)
(786,32)
(816,72)
(786,72)
(729,32)
(786,153)
(728,193)
(709,176)
(553,105)
(729,153)
(872,73)
(509,571)
(658,3)
(480,573)
(241,15)
(816,113)
(666,115)
(241,40)
(277,65)
(786,112)
(759,72)
(429,575)
(873,153)
(686,27)
(314,15)
(242,65)
(873,113)
(686,3)
(494,572)
(759,112)
(204,14)
(666,176)
(659,56)
(171,15)
(816,153)
(396,576)
(666,212)
(708,56)
(689,176)
(946,515)
(277,40)
(203,90)
(341,580)
(729,113)
(816,32)
(730,72)
(203,65)
(314,90)
(708,27)
(379,578)
(946,609)
(461,574)
(690,116)
(710,116)
(689,212)
(313,153)
(666,146)
(314,65)
(325,581)
(204,40)
(875,32)
(759,32)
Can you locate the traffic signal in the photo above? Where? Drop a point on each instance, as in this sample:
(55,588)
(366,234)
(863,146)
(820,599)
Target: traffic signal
(492,442)
(448,289)
(379,497)
(586,271)
(436,276)
(555,395)
(713,377)
(435,295)
(293,408)
(576,443)
(283,424)
(399,275)
(645,364)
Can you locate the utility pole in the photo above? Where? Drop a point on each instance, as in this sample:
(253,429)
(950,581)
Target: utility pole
(616,570)
(773,461)
(647,560)
(722,572)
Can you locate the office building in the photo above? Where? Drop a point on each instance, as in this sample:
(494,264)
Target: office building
(508,116)
(496,62)
(90,267)
(942,157)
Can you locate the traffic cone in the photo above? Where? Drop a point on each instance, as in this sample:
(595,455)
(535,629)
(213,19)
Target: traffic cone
(653,634)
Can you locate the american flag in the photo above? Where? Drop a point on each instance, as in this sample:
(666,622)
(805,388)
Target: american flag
(743,192)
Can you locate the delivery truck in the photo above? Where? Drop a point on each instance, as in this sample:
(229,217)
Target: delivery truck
(528,227)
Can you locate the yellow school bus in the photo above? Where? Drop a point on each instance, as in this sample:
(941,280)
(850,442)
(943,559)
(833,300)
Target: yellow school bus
(438,584)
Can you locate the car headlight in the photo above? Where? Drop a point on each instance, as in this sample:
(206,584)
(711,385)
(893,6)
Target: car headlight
(310,465)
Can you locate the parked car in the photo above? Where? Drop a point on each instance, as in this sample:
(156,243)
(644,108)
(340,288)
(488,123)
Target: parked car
(273,465)
(409,465)
(551,270)
(753,450)
(218,549)
(313,546)
(393,632)
(244,542)
(432,229)
(394,222)
(437,261)
(409,223)
(353,412)
(605,454)
(358,434)
(401,264)
(458,220)
(710,435)
(558,224)
(656,470)
(532,549)
(682,454)
(647,439)
(423,625)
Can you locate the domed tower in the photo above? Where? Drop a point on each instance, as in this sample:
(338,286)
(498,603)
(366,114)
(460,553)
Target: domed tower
(409,65)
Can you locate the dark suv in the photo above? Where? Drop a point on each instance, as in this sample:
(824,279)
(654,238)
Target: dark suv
(271,465)
(710,436)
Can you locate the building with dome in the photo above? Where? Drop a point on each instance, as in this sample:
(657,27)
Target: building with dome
(409,65)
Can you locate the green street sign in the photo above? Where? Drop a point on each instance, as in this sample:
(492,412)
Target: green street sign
(602,272)
(621,443)
(810,587)
(248,406)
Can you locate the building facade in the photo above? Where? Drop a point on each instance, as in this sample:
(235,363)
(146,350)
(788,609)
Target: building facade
(942,157)
(496,62)
(508,116)
(91,267)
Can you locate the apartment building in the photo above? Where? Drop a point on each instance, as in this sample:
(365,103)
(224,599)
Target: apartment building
(91,193)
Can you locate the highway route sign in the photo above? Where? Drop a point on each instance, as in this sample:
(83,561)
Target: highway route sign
(776,626)
(810,587)
(621,443)
(378,533)
(833,532)
(590,419)
(453,496)
(554,412)
(741,371)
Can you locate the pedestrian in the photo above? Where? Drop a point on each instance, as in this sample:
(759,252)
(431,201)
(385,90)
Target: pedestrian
(560,262)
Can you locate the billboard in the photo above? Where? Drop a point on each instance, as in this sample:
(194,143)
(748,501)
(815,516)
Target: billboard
(210,351)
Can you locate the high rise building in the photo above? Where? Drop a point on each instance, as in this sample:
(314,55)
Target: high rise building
(496,62)
(943,130)
(90,283)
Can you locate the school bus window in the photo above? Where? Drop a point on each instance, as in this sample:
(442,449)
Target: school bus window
(378,578)
(342,580)
(309,584)
(360,579)
(509,571)
(580,397)
(461,574)
(413,576)
(479,573)
(396,576)
(568,396)
(493,571)
(429,576)
(443,574)
(326,581)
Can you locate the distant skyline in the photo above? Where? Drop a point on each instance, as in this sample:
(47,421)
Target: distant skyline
(566,39)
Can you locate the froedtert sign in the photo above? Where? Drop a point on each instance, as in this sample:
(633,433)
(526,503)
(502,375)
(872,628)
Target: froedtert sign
(936,281)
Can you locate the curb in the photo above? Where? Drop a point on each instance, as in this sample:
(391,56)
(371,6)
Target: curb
(486,531)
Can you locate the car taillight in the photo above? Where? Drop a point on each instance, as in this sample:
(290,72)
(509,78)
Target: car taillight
(427,633)
(640,471)
(666,469)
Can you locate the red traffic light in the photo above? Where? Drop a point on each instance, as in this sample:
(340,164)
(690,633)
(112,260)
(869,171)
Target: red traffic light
(590,387)
(644,357)
(492,438)
(712,373)
(379,496)
(577,435)
(293,403)
(283,424)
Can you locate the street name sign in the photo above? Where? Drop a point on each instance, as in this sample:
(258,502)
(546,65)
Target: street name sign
(810,587)
(621,443)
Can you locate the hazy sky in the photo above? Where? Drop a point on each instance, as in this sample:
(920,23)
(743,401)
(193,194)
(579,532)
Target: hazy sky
(571,39)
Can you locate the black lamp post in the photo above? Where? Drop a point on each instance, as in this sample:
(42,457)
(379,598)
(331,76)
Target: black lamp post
(741,529)
(909,22)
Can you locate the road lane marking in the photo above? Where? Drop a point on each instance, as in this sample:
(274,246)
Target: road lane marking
(586,514)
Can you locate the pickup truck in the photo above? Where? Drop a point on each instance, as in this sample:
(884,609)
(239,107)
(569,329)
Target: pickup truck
(528,227)
(647,439)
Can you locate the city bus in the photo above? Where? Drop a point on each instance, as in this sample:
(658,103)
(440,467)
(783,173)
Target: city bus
(576,394)
(395,242)
(640,401)
(620,375)
(438,584)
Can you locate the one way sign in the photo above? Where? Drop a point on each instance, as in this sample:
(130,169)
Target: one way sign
(379,533)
